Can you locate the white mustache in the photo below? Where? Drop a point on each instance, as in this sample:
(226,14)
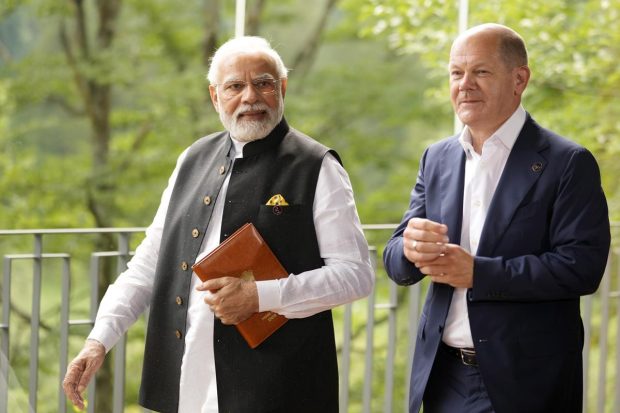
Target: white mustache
(251,108)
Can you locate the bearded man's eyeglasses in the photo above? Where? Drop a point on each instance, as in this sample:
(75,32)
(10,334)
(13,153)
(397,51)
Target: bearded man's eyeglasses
(233,88)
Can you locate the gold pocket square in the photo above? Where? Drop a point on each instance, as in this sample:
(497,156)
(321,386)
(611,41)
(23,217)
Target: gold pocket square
(277,200)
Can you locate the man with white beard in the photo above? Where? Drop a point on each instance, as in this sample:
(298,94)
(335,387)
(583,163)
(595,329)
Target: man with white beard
(195,360)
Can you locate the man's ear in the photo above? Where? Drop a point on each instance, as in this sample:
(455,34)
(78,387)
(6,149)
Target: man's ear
(214,97)
(284,82)
(522,77)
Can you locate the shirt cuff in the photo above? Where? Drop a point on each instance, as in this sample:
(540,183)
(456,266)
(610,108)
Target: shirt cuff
(103,335)
(268,295)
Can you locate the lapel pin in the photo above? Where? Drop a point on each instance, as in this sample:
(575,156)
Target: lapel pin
(537,166)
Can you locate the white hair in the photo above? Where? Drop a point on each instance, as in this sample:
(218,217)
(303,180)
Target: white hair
(244,45)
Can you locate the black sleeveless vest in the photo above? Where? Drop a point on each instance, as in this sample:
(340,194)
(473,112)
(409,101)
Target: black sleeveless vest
(294,370)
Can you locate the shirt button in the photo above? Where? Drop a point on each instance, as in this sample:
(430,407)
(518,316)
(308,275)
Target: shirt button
(222,170)
(477,203)
(195,233)
(184,266)
(179,301)
(207,200)
(178,334)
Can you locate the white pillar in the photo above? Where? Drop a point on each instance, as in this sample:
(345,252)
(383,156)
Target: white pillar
(463,17)
(240,18)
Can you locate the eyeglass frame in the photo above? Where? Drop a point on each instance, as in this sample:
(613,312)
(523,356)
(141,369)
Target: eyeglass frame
(274,81)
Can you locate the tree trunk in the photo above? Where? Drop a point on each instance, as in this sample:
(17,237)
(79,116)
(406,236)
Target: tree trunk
(254,17)
(95,95)
(212,27)
(306,55)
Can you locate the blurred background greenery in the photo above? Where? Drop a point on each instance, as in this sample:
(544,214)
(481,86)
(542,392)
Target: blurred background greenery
(97,99)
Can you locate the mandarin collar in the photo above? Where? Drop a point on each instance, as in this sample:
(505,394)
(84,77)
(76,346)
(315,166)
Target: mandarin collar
(272,139)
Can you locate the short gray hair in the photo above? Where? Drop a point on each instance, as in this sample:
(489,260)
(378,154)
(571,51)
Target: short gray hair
(510,45)
(245,45)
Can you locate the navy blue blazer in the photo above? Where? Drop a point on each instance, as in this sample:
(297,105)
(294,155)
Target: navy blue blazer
(544,243)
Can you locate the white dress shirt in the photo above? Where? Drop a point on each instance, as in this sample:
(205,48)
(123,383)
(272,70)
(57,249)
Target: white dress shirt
(346,276)
(482,173)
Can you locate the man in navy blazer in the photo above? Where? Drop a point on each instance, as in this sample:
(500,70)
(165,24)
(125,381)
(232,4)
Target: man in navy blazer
(510,223)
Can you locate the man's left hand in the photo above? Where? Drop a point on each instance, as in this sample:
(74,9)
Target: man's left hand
(231,299)
(455,267)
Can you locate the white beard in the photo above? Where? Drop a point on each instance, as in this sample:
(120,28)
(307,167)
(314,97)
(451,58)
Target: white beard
(251,130)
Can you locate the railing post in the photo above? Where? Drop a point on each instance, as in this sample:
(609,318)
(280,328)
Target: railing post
(369,353)
(616,296)
(64,331)
(389,368)
(587,319)
(345,358)
(4,336)
(35,321)
(120,349)
(602,367)
(94,305)
(414,316)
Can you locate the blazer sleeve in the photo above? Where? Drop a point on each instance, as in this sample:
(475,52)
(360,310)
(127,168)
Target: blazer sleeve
(577,240)
(397,266)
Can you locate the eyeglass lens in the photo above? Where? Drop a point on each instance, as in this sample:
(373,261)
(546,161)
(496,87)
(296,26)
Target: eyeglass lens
(236,87)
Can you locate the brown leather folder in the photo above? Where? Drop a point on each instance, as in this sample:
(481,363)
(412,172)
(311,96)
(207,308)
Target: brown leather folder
(245,254)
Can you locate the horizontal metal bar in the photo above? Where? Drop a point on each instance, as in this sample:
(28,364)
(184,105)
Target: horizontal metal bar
(130,230)
(385,306)
(81,322)
(33,256)
(379,226)
(70,231)
(142,229)
(110,254)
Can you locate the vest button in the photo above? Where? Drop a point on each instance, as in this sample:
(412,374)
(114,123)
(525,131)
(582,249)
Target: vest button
(178,334)
(207,200)
(184,266)
(179,301)
(195,233)
(222,170)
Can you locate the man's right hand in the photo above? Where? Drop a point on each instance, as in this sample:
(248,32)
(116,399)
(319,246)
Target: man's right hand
(81,370)
(424,240)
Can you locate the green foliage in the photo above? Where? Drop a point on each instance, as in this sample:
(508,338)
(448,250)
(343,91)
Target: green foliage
(376,119)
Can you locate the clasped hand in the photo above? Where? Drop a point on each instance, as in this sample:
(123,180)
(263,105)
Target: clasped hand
(426,245)
(231,299)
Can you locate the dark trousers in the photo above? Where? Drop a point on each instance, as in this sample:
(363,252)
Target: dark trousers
(454,387)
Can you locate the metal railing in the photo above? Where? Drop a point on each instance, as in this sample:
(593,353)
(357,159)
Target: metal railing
(375,336)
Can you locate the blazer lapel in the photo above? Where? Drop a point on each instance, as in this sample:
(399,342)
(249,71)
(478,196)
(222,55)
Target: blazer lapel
(452,182)
(524,166)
